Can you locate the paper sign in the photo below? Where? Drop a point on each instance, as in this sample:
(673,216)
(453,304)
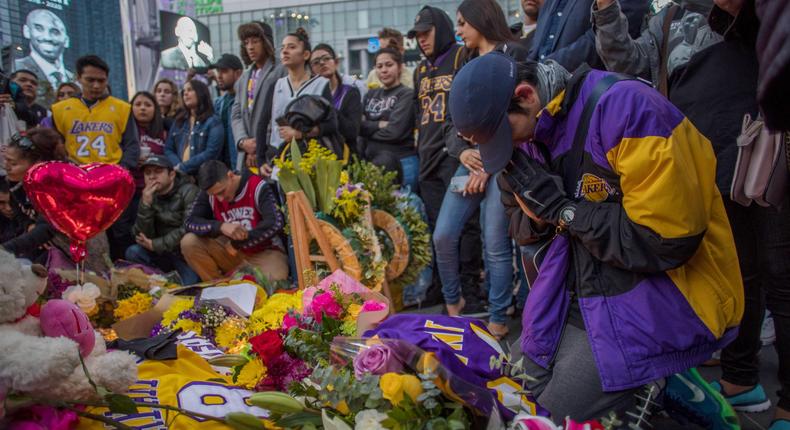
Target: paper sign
(240,298)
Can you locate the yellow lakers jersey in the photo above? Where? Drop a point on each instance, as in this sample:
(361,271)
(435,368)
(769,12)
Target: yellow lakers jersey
(92,134)
(189,383)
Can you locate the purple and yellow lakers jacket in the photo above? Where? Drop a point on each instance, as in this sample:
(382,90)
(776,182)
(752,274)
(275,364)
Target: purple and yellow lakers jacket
(650,256)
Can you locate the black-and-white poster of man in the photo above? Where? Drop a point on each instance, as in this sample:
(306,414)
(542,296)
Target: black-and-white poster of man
(48,39)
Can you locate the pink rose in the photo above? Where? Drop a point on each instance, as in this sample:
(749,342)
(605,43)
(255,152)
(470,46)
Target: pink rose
(324,303)
(39,417)
(378,360)
(289,322)
(373,306)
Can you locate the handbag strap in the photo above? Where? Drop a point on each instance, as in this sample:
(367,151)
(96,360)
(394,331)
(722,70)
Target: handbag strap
(573,165)
(662,74)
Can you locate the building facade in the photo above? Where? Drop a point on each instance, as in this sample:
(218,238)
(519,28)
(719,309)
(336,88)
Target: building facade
(348,26)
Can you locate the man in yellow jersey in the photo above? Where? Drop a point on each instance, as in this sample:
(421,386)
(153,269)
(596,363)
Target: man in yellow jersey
(100,128)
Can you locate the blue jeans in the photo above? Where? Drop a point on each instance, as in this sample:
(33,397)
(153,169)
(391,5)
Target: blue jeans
(410,166)
(498,251)
(166,262)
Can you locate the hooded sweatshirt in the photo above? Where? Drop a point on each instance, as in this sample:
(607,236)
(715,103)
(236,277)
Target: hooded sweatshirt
(437,139)
(395,106)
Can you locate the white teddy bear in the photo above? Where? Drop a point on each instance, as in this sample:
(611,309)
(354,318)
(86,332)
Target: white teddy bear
(49,367)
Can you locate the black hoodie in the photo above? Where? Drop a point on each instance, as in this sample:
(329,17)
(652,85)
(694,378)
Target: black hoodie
(718,85)
(437,139)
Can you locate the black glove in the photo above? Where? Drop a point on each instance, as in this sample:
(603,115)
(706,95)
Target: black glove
(542,192)
(160,347)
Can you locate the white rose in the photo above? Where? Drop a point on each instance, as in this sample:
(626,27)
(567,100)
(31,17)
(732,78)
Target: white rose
(83,296)
(370,419)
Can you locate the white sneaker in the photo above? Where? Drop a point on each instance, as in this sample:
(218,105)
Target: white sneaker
(768,333)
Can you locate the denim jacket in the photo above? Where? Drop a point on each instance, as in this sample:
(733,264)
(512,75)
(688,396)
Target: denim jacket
(205,143)
(223,106)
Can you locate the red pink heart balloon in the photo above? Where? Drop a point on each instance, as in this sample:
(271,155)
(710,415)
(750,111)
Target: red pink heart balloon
(79,201)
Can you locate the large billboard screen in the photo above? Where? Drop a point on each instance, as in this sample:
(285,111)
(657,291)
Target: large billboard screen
(49,36)
(185,43)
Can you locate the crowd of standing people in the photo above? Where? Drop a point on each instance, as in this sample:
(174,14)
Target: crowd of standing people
(576,171)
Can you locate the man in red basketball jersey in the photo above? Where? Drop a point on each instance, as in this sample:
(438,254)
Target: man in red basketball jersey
(234,220)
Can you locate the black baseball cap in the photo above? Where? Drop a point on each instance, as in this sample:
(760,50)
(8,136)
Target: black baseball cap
(158,161)
(479,99)
(423,22)
(227,61)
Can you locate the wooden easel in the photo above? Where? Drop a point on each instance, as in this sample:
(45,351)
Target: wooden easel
(305,227)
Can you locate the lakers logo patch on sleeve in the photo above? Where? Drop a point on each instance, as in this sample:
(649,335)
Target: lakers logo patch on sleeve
(595,189)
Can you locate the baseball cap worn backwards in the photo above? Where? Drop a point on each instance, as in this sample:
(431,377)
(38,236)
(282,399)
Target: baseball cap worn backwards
(479,99)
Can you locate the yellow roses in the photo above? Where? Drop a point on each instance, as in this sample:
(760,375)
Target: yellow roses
(393,386)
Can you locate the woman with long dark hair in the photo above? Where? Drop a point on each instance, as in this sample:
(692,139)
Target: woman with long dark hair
(482,26)
(345,98)
(294,56)
(388,125)
(197,135)
(150,129)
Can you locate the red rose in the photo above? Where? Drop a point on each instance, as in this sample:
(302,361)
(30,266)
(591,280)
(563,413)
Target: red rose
(267,345)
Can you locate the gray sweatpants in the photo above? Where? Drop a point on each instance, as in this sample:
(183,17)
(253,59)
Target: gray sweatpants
(571,387)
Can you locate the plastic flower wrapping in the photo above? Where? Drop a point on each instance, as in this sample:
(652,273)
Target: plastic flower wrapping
(387,384)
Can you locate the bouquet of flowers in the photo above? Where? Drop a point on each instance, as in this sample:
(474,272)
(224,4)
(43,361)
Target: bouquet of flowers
(213,321)
(382,384)
(291,333)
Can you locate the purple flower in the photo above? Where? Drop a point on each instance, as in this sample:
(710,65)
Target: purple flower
(377,360)
(156,330)
(189,314)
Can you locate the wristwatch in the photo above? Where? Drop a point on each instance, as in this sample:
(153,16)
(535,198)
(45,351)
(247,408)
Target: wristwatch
(567,214)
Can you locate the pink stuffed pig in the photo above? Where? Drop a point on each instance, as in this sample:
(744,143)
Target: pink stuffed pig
(63,318)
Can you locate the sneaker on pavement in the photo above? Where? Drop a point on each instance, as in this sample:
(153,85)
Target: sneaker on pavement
(768,332)
(751,401)
(688,397)
(780,425)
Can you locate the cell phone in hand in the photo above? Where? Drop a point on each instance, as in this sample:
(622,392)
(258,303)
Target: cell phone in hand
(458,183)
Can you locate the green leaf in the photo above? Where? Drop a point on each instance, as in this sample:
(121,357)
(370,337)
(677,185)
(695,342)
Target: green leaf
(456,425)
(243,421)
(296,155)
(307,186)
(327,181)
(399,415)
(288,181)
(220,380)
(300,419)
(120,404)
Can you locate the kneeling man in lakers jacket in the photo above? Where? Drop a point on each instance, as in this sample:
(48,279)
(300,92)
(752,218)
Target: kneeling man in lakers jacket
(640,280)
